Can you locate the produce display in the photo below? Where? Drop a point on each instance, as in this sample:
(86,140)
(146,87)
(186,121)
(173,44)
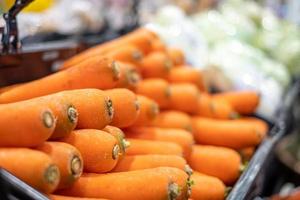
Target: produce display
(128,119)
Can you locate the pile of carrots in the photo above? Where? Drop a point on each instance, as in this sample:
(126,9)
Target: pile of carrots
(127,119)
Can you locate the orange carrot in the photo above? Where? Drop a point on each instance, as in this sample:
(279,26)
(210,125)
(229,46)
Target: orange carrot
(60,197)
(140,38)
(247,153)
(33,167)
(221,162)
(126,107)
(156,65)
(184,97)
(149,109)
(173,119)
(94,107)
(127,53)
(187,74)
(25,124)
(142,147)
(148,184)
(178,136)
(67,158)
(244,102)
(158,45)
(102,73)
(261,125)
(156,89)
(129,76)
(215,108)
(137,162)
(228,133)
(207,187)
(176,56)
(99,150)
(120,137)
(6,88)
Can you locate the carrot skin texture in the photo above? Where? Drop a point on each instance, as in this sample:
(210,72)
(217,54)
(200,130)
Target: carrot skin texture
(33,167)
(99,150)
(25,124)
(61,197)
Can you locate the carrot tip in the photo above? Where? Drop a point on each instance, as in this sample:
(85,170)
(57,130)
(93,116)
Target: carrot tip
(154,110)
(137,55)
(188,170)
(133,77)
(116,152)
(116,70)
(48,119)
(168,65)
(137,104)
(76,166)
(125,145)
(72,114)
(173,191)
(227,191)
(243,167)
(110,108)
(52,174)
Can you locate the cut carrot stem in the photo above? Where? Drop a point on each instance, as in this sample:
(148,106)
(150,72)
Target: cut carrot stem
(215,108)
(178,136)
(142,147)
(129,76)
(207,187)
(156,89)
(137,162)
(176,55)
(244,102)
(221,162)
(67,158)
(184,97)
(100,73)
(149,110)
(187,74)
(33,167)
(94,107)
(173,119)
(228,133)
(156,65)
(140,38)
(60,197)
(99,150)
(247,153)
(128,53)
(25,124)
(126,107)
(147,184)
(120,136)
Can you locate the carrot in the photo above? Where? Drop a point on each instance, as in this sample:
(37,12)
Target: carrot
(120,137)
(102,73)
(137,162)
(228,133)
(33,167)
(176,55)
(67,158)
(6,88)
(156,65)
(158,45)
(140,38)
(126,107)
(60,197)
(247,153)
(156,89)
(181,137)
(142,147)
(127,53)
(215,108)
(99,150)
(173,119)
(129,76)
(148,184)
(221,162)
(184,97)
(207,187)
(25,124)
(94,107)
(244,102)
(187,74)
(261,125)
(149,109)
